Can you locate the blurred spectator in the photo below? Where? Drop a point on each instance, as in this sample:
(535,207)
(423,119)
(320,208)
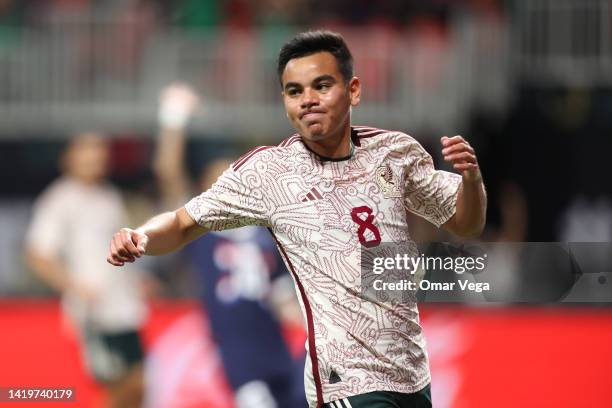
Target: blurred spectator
(245,289)
(66,247)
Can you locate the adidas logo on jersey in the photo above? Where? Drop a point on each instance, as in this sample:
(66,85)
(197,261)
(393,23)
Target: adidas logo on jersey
(312,195)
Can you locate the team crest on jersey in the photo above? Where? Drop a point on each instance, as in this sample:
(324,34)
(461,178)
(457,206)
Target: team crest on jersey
(387,182)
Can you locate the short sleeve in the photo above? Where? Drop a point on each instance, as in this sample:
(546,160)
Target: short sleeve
(47,226)
(235,200)
(429,193)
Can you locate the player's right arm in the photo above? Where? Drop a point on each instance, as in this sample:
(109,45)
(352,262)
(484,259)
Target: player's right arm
(163,233)
(49,268)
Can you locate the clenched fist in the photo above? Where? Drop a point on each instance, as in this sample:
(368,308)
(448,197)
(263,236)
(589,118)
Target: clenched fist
(126,245)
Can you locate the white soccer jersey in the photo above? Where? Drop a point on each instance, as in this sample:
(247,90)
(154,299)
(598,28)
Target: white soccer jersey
(322,213)
(73,220)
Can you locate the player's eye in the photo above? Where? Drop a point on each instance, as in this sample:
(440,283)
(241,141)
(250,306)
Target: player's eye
(292,92)
(323,86)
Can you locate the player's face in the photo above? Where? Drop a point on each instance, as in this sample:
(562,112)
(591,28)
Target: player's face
(317,98)
(87,158)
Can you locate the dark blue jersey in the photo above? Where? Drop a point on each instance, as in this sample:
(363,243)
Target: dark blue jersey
(235,269)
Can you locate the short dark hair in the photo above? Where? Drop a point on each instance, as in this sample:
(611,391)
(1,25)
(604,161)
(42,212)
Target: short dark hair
(311,42)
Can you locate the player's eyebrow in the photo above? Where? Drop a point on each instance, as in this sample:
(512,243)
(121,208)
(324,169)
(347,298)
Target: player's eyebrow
(325,77)
(321,78)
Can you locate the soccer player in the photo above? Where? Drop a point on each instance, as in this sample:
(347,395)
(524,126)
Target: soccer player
(326,193)
(67,236)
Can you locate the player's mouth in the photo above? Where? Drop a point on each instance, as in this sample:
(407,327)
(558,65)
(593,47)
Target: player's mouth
(311,115)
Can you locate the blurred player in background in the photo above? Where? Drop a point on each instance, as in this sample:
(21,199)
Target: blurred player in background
(246,292)
(328,193)
(66,237)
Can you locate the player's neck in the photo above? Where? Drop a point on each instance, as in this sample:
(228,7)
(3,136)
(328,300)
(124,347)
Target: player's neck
(332,148)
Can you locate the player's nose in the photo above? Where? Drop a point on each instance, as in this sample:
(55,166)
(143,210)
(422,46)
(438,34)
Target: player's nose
(309,98)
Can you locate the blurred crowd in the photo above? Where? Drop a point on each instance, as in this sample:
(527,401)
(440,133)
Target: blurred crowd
(210,14)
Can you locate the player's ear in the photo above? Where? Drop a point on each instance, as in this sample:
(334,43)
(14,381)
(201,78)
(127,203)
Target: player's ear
(355,91)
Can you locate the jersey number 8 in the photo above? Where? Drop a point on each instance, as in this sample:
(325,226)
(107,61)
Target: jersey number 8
(366,224)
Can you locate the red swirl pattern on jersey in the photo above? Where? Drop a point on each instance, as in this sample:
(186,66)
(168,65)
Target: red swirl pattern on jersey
(368,343)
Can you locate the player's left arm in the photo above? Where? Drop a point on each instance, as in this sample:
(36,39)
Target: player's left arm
(470,216)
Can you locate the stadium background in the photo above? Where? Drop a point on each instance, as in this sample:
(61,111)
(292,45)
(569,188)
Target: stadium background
(527,82)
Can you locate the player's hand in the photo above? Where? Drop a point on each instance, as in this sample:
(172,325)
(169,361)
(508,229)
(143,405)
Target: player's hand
(126,246)
(458,151)
(177,102)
